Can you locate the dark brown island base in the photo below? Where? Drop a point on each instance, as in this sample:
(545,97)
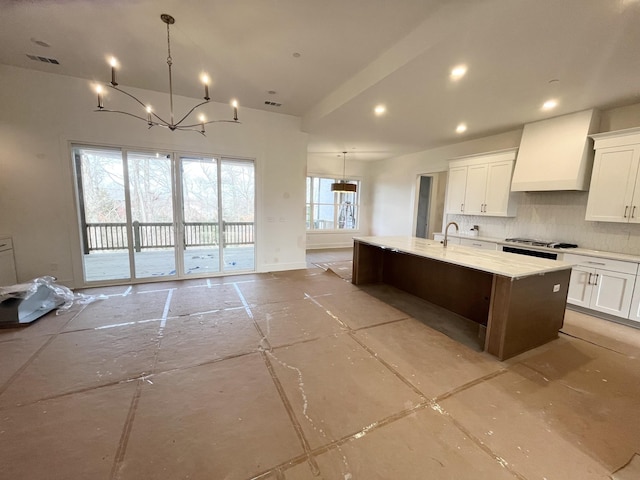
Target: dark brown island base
(520,300)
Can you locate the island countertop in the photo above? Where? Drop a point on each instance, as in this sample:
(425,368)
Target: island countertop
(496,262)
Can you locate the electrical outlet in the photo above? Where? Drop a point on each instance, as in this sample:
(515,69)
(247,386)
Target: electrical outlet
(556,287)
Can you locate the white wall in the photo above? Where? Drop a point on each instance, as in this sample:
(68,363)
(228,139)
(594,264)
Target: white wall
(42,114)
(394,180)
(332,166)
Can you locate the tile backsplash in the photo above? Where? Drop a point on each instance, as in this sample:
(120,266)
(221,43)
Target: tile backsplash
(556,216)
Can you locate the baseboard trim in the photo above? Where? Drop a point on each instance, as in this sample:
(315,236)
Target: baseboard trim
(604,316)
(279,267)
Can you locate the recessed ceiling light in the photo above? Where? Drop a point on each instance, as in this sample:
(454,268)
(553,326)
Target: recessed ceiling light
(461,128)
(550,104)
(458,72)
(380,110)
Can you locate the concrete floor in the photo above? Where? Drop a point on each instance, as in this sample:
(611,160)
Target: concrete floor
(302,376)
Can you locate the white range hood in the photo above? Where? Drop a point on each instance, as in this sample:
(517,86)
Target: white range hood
(556,154)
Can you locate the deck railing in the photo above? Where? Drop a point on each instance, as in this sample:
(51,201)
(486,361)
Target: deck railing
(147,235)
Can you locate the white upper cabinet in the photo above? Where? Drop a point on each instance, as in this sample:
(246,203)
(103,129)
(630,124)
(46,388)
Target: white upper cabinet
(614,195)
(456,187)
(475,193)
(481,184)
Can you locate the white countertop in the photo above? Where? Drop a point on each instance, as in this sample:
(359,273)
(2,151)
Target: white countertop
(578,251)
(500,263)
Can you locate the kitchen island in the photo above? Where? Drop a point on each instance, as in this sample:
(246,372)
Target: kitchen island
(520,300)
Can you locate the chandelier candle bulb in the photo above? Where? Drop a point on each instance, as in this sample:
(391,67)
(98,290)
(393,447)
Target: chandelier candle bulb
(205,81)
(235,110)
(99,92)
(149,117)
(113,62)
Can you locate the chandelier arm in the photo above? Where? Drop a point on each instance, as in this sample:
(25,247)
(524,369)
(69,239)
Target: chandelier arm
(161,121)
(191,111)
(131,115)
(195,125)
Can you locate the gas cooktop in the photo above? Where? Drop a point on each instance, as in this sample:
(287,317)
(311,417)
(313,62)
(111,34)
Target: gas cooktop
(540,243)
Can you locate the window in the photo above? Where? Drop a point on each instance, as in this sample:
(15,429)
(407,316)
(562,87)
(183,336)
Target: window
(327,210)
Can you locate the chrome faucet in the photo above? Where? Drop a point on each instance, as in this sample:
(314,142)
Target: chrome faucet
(446,232)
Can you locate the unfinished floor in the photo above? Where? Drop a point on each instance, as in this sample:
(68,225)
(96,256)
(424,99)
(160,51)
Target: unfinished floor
(302,376)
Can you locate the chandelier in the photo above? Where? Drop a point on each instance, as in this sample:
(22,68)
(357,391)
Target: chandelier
(343,185)
(151,118)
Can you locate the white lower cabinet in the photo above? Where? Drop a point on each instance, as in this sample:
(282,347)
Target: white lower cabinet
(600,284)
(634,314)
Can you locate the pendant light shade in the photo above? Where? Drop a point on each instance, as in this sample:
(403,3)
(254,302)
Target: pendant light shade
(343,185)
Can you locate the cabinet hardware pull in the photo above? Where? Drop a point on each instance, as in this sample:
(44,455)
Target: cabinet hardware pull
(633,212)
(4,245)
(626,207)
(462,207)
(589,280)
(596,282)
(596,263)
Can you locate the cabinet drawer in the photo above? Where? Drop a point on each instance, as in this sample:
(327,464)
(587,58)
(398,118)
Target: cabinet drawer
(5,244)
(601,263)
(478,244)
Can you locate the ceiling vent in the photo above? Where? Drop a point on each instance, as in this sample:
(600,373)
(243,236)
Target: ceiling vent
(272,104)
(38,58)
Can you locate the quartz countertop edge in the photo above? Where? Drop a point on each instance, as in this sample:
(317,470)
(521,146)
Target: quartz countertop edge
(490,261)
(625,257)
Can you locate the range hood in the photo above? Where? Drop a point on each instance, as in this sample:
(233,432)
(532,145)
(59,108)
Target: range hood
(556,154)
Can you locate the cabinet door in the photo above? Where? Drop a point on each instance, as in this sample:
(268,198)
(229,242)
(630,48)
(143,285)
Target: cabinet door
(456,186)
(634,314)
(612,183)
(498,188)
(579,287)
(612,292)
(634,217)
(476,189)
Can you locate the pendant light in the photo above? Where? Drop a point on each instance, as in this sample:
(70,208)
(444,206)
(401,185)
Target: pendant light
(343,185)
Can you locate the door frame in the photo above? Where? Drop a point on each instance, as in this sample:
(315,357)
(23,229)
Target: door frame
(176,155)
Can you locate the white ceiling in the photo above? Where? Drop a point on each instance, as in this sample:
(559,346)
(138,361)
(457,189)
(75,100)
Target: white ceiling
(354,54)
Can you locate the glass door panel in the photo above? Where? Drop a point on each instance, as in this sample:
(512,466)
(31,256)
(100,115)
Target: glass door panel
(151,193)
(237,181)
(200,204)
(102,213)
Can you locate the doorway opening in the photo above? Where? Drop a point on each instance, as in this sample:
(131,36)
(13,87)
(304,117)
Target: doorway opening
(429,204)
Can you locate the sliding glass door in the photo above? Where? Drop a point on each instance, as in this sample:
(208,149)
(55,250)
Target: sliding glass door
(161,215)
(218,203)
(151,194)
